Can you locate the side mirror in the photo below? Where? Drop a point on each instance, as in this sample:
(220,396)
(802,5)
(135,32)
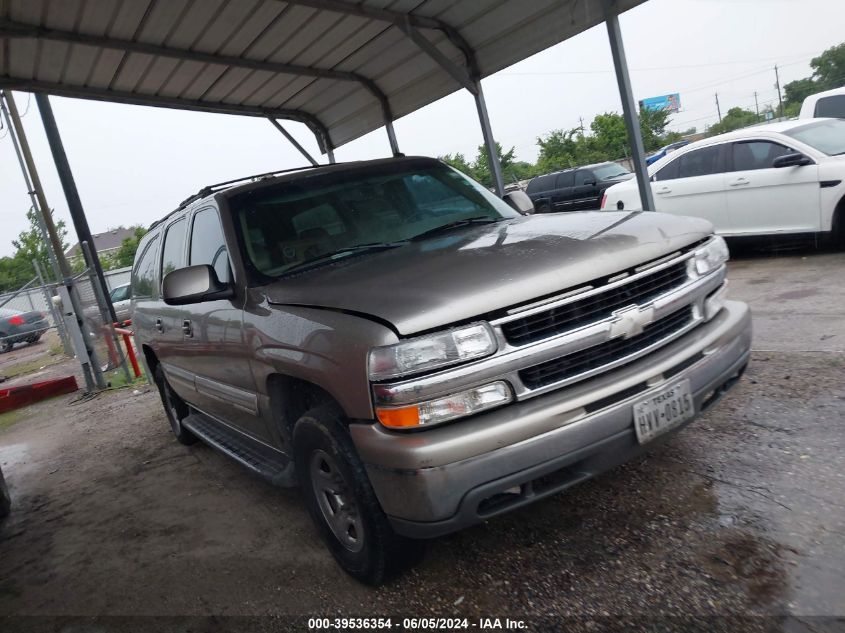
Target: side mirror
(194,284)
(519,201)
(796,159)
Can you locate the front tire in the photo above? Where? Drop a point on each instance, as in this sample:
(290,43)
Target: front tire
(342,503)
(174,408)
(543,207)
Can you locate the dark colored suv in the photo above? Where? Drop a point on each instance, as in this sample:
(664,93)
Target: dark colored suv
(417,355)
(575,189)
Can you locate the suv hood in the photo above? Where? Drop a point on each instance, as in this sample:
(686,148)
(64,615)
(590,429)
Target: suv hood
(462,275)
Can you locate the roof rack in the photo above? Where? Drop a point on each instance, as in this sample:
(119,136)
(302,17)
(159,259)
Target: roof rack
(208,190)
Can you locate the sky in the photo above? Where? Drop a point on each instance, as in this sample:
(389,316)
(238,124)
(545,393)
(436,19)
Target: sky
(134,164)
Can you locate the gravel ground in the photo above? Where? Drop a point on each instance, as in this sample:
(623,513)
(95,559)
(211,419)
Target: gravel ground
(742,514)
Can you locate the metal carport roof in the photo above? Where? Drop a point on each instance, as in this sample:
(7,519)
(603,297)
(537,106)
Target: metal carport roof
(342,68)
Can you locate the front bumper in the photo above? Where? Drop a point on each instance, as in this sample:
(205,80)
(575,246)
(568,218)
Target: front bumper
(443,479)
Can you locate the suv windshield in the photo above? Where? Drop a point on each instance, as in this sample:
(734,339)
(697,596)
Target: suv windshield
(825,136)
(605,172)
(316,220)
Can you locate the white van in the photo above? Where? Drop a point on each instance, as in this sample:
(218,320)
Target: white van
(830,103)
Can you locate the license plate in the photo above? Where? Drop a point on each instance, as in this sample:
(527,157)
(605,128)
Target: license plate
(663,411)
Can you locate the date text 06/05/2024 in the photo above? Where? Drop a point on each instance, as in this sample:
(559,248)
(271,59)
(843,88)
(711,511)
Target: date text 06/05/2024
(411,624)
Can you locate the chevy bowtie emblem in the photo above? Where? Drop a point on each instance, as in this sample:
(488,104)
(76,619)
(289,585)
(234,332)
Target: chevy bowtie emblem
(631,321)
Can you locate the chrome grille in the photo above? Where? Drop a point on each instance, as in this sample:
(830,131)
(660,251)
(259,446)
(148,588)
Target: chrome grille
(597,356)
(594,308)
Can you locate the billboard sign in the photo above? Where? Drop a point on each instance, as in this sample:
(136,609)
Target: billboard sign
(670,103)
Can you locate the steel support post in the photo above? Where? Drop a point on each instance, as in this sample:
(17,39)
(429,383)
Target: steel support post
(391,137)
(293,141)
(629,110)
(77,213)
(489,141)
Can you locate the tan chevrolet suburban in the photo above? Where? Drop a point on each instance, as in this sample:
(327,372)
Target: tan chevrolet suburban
(417,355)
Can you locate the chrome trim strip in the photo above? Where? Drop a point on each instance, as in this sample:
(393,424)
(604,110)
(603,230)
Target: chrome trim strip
(569,298)
(240,398)
(178,376)
(507,363)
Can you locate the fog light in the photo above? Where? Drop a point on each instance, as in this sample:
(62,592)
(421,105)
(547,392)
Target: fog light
(715,302)
(450,407)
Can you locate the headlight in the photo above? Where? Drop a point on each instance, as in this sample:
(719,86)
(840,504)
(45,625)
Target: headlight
(457,405)
(710,256)
(431,352)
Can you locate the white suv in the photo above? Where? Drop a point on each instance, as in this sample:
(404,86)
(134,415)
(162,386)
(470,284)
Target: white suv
(783,178)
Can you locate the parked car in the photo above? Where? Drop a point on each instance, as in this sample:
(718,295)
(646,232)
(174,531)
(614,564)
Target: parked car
(665,151)
(782,178)
(18,327)
(830,103)
(5,499)
(574,189)
(120,298)
(416,354)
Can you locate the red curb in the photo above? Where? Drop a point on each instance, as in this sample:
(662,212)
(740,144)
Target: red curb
(17,397)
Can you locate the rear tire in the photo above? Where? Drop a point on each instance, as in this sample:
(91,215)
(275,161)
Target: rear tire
(6,344)
(342,503)
(5,499)
(174,408)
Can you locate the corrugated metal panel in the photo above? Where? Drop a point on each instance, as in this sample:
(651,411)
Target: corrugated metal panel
(295,32)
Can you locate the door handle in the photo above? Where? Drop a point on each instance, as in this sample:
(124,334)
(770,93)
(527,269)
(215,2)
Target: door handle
(159,326)
(187,330)
(739,182)
(663,190)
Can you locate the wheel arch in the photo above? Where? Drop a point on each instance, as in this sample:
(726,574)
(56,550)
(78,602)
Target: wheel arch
(290,397)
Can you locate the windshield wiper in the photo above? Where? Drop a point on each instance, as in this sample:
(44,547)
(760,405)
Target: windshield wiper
(454,225)
(372,247)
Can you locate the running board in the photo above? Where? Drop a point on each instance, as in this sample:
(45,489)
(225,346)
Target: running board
(278,470)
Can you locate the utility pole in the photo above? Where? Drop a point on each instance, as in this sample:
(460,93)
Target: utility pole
(780,96)
(756,105)
(718,109)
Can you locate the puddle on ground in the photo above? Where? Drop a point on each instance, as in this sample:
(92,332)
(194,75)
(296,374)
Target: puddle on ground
(13,453)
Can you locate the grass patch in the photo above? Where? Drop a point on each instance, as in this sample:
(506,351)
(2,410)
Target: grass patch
(13,371)
(10,417)
(117,379)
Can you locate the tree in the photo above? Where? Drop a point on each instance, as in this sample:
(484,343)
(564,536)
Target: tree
(125,255)
(828,73)
(30,244)
(481,166)
(796,91)
(458,162)
(735,119)
(829,68)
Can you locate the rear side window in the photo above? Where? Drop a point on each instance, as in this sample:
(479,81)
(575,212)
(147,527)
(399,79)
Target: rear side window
(565,180)
(756,155)
(582,177)
(541,183)
(173,252)
(700,162)
(669,172)
(833,107)
(143,276)
(208,245)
